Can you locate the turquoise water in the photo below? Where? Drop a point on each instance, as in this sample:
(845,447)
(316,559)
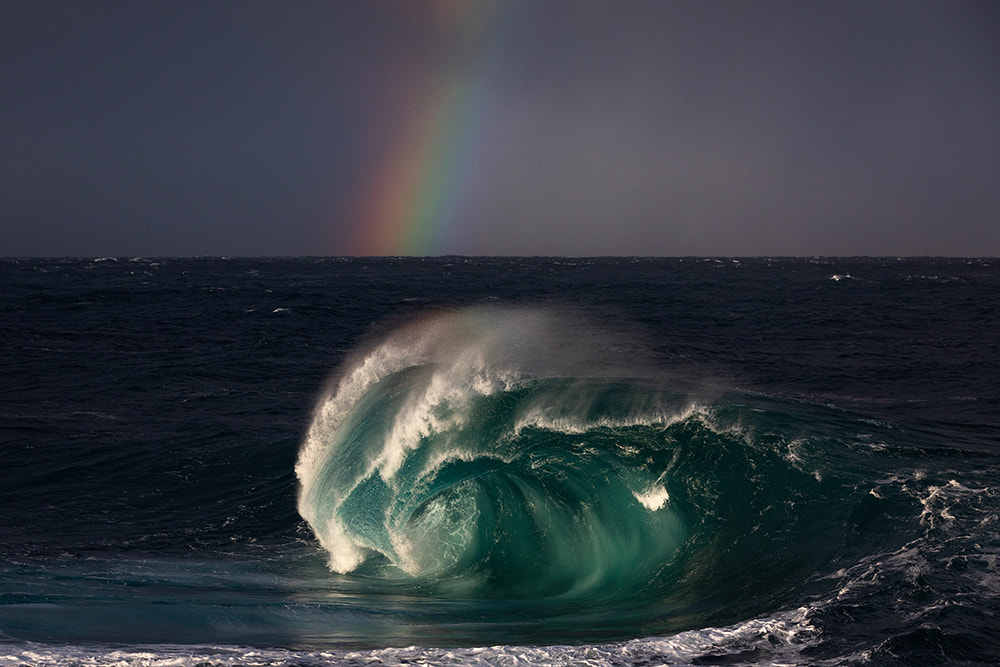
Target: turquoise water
(456,460)
(314,462)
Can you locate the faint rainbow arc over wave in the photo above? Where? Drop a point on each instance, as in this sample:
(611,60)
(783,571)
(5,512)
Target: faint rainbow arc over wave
(412,205)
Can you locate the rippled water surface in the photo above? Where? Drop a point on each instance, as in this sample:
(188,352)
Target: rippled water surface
(472,461)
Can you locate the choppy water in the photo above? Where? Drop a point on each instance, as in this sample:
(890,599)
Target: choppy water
(488,461)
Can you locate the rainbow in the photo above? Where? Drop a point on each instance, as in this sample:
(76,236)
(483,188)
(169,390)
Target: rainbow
(412,205)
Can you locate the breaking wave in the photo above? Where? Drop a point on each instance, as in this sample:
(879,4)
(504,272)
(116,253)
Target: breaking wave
(475,454)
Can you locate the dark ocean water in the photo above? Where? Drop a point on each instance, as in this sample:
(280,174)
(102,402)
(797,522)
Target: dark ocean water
(500,461)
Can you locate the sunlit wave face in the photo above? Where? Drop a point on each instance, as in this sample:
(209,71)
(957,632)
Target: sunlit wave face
(483,454)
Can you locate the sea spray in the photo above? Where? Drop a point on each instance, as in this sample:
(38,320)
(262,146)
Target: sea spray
(837,501)
(419,453)
(470,454)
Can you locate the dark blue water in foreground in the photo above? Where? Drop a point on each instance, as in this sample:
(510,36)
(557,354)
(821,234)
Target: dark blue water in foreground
(499,461)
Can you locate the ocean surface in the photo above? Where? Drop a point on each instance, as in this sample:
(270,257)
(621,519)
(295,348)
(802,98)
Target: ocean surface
(499,461)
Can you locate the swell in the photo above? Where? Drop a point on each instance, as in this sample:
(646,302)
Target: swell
(471,455)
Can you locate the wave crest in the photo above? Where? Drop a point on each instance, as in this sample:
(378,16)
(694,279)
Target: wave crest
(469,455)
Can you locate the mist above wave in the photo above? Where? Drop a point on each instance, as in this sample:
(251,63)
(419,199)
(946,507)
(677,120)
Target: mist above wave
(527,454)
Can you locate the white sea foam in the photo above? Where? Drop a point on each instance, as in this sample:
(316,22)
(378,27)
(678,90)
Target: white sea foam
(653,498)
(441,406)
(770,640)
(940,500)
(345,554)
(557,417)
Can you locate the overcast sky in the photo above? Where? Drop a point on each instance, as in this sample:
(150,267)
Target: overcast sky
(584,128)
